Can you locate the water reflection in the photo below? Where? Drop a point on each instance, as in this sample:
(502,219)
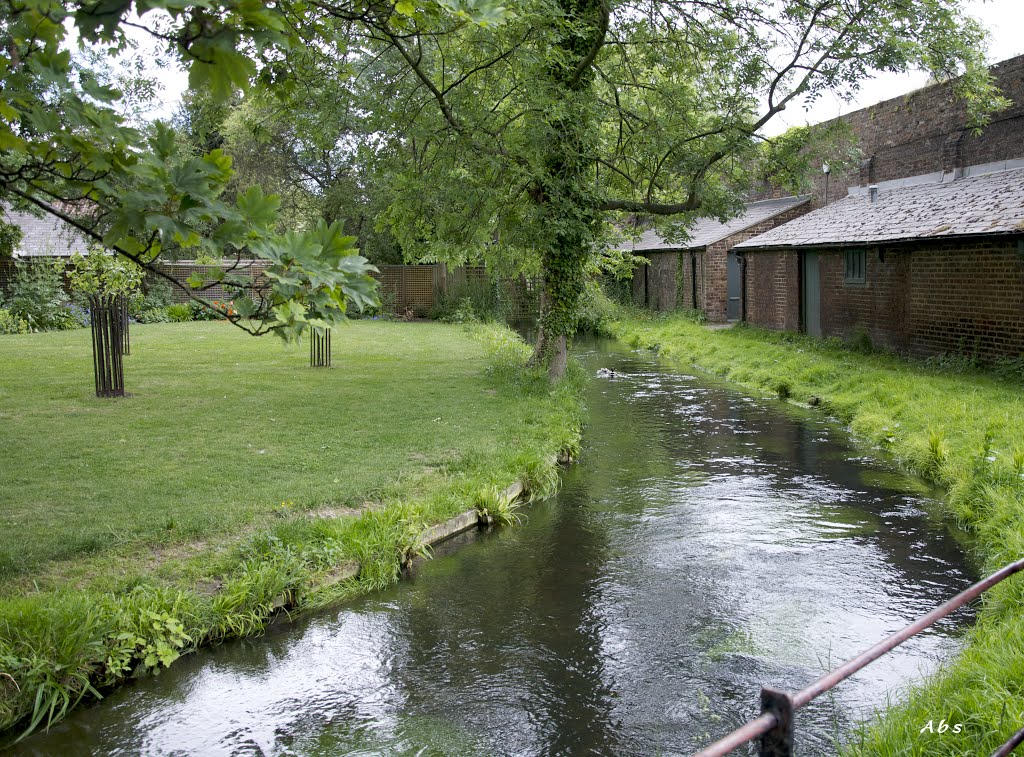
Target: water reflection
(706,544)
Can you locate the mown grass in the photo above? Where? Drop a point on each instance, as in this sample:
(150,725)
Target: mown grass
(105,576)
(964,431)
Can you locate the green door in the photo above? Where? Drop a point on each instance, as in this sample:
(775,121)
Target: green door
(810,294)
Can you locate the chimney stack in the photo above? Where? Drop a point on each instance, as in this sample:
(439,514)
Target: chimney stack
(873,192)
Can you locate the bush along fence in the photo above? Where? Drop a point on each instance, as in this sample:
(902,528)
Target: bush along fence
(406,291)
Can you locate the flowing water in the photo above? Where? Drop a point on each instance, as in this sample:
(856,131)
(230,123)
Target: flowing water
(705,544)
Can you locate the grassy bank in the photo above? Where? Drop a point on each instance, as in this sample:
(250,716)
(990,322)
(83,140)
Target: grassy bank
(237,478)
(964,431)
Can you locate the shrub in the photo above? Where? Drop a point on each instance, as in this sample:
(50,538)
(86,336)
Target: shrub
(180,312)
(37,296)
(596,309)
(154,315)
(860,340)
(157,295)
(11,324)
(200,313)
(474,300)
(386,311)
(1010,368)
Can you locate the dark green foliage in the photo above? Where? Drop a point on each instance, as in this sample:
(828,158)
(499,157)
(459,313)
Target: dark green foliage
(37,296)
(156,293)
(153,315)
(860,341)
(472,300)
(10,238)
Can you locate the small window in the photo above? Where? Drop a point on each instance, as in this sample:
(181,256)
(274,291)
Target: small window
(856,267)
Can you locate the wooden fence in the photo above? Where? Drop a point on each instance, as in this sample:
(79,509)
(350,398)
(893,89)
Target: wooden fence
(405,290)
(182,269)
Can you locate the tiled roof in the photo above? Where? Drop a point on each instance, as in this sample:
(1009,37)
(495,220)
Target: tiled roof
(707,231)
(988,204)
(45,237)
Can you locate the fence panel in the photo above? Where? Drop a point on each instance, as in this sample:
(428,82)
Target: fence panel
(182,269)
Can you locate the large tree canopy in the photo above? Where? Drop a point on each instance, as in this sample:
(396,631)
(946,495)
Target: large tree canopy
(519,139)
(67,150)
(511,132)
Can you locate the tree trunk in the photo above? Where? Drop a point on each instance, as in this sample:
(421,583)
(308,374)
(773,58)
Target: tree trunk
(559,358)
(564,189)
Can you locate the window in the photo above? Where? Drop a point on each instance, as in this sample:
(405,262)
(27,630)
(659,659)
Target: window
(856,267)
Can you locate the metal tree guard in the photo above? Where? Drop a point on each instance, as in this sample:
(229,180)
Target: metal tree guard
(122,303)
(107,344)
(320,348)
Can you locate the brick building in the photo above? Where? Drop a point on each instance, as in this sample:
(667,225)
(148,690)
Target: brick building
(703,273)
(916,139)
(924,135)
(43,237)
(920,268)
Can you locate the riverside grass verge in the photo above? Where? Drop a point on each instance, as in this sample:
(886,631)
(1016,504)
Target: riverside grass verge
(416,424)
(963,431)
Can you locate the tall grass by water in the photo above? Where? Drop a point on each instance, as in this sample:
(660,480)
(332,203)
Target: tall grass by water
(962,429)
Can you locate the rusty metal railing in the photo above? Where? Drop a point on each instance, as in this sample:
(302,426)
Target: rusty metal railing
(774,726)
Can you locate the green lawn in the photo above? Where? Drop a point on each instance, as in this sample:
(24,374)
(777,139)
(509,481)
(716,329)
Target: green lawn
(964,431)
(236,479)
(222,428)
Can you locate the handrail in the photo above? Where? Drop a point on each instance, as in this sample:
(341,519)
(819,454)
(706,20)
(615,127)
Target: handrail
(774,726)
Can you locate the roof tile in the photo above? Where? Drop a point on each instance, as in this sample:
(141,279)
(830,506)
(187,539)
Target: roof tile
(707,231)
(988,204)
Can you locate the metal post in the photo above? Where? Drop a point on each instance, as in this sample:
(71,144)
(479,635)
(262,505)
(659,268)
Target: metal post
(123,305)
(778,742)
(1015,741)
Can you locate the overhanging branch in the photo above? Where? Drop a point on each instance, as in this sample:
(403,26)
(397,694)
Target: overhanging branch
(654,208)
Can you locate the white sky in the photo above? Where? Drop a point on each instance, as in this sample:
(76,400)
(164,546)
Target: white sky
(1003,18)
(1005,22)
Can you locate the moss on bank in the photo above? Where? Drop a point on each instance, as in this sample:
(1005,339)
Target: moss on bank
(963,431)
(58,646)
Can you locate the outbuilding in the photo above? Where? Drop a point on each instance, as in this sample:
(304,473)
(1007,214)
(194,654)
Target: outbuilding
(703,273)
(918,266)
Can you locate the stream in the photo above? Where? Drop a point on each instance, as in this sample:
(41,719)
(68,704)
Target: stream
(707,543)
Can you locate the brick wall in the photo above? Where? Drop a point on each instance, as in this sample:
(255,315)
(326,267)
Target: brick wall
(715,259)
(666,281)
(920,299)
(877,307)
(968,299)
(773,298)
(689,264)
(920,133)
(926,132)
